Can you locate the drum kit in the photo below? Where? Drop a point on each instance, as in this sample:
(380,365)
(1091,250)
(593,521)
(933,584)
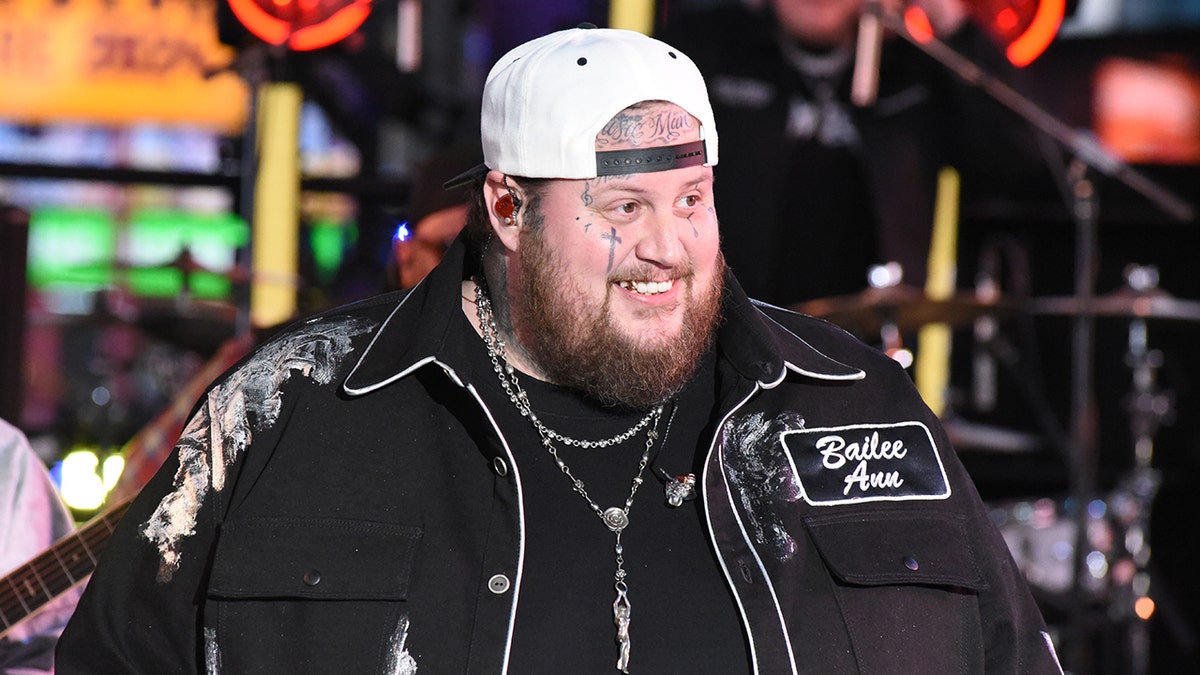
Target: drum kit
(1080,549)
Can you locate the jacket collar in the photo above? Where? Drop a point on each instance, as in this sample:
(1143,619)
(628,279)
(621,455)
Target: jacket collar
(425,328)
(763,350)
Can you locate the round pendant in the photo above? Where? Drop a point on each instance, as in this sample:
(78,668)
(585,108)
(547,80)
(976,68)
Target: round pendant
(616,519)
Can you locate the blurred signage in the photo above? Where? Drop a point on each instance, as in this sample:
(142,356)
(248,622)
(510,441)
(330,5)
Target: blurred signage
(1148,111)
(301,25)
(118,62)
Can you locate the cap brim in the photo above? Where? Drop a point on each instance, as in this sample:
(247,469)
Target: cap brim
(468,176)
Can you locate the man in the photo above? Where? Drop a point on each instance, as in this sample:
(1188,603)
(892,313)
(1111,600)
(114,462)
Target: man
(780,75)
(576,446)
(437,216)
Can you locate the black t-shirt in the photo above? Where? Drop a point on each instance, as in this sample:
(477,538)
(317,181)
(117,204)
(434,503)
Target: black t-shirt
(683,617)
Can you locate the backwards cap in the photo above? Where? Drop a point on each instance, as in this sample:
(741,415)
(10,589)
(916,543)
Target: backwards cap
(545,101)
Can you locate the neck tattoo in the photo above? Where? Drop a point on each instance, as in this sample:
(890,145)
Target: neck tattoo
(615,518)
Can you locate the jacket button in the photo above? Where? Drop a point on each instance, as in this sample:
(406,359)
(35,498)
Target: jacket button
(745,570)
(911,563)
(498,584)
(500,466)
(312,578)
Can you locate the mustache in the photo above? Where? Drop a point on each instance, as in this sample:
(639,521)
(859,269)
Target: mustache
(681,272)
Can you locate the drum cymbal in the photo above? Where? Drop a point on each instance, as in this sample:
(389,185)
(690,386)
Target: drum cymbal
(967,436)
(198,325)
(906,307)
(1125,303)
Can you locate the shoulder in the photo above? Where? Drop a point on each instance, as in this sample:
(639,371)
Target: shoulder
(369,311)
(824,336)
(315,347)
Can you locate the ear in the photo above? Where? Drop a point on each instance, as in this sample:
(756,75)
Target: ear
(494,190)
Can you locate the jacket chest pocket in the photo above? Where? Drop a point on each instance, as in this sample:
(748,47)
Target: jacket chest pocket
(908,587)
(309,595)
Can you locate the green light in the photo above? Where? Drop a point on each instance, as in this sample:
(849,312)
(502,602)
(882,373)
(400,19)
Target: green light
(71,248)
(329,241)
(76,249)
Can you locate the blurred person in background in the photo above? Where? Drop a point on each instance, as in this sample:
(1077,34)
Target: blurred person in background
(32,517)
(807,170)
(437,216)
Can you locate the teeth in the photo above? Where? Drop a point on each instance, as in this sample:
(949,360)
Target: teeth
(647,287)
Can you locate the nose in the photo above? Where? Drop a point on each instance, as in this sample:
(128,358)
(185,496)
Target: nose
(661,242)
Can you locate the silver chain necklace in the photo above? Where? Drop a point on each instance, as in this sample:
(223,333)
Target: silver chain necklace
(508,380)
(615,518)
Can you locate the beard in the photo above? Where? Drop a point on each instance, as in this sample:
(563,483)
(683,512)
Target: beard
(583,347)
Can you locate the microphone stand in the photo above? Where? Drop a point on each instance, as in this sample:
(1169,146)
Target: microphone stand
(1082,145)
(1087,154)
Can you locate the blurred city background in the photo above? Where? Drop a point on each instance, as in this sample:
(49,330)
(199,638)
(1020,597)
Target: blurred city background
(172,188)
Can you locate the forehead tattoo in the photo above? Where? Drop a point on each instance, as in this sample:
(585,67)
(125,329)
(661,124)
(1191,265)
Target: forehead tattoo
(649,127)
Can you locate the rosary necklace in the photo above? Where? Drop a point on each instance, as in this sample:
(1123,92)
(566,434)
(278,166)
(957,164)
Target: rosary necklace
(616,518)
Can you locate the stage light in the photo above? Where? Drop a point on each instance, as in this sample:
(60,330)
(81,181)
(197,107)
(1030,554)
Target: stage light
(82,487)
(1144,608)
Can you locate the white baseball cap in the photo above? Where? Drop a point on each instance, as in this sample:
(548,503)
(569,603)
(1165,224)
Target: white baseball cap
(545,101)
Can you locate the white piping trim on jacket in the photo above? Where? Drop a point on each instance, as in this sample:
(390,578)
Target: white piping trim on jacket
(371,346)
(853,377)
(512,462)
(712,538)
(787,638)
(860,375)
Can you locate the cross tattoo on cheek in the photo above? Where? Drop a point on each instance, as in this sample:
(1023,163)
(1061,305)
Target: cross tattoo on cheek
(613,240)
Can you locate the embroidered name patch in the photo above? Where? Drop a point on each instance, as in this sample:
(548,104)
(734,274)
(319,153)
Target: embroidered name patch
(862,462)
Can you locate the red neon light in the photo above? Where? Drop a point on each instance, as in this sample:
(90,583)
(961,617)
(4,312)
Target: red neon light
(917,24)
(329,31)
(264,26)
(1030,45)
(1007,19)
(276,31)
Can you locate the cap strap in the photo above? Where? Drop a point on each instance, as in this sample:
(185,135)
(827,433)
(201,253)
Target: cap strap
(645,160)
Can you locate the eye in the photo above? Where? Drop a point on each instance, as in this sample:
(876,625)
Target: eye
(628,208)
(690,201)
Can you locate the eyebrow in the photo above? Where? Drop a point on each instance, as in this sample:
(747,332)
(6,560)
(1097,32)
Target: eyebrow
(624,183)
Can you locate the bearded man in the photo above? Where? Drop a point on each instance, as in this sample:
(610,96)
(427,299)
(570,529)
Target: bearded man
(575,447)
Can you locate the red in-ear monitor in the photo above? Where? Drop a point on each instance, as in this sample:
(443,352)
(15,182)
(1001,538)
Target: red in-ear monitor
(505,207)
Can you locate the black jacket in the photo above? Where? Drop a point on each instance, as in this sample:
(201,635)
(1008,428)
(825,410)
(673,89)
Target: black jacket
(342,501)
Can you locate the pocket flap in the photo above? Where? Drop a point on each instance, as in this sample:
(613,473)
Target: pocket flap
(884,548)
(322,558)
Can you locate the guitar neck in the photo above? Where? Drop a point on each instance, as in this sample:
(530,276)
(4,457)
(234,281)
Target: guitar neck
(55,571)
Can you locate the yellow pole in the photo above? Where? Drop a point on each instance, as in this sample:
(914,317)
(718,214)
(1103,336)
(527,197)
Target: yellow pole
(932,369)
(275,248)
(635,15)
